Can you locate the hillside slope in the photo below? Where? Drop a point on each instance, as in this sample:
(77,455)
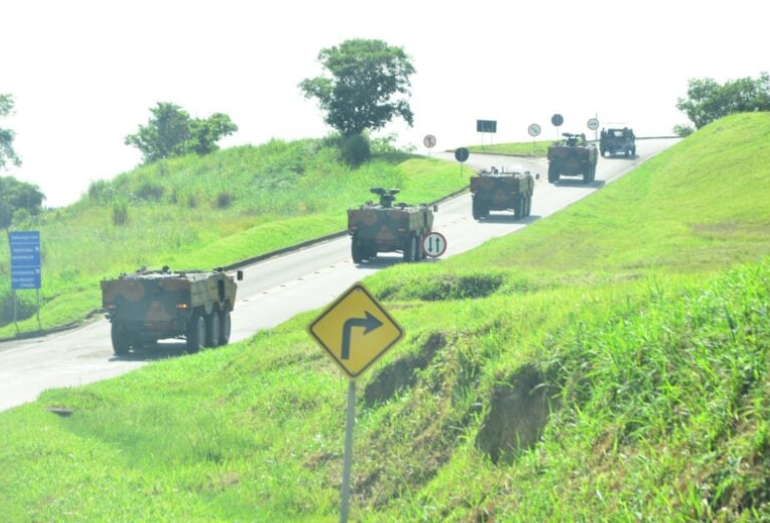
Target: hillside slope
(609,363)
(203,212)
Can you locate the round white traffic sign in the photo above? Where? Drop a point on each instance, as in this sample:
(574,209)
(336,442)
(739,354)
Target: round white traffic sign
(593,124)
(434,244)
(533,129)
(429,141)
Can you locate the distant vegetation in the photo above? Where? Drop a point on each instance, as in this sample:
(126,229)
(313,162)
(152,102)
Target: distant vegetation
(171,133)
(205,212)
(7,153)
(609,363)
(529,149)
(365,86)
(707,100)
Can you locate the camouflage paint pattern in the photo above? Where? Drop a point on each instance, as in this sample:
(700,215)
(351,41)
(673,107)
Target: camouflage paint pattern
(499,191)
(150,305)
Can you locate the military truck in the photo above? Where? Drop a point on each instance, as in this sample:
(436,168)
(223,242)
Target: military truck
(572,156)
(617,141)
(388,227)
(501,190)
(149,305)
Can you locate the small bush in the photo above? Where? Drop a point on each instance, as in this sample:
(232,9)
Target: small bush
(356,150)
(224,200)
(150,192)
(119,214)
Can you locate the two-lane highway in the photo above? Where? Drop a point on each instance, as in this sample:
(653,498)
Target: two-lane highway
(278,288)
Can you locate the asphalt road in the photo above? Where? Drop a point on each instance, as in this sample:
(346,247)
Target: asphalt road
(278,288)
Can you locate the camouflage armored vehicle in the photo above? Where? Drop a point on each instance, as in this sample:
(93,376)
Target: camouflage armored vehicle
(617,141)
(146,306)
(573,156)
(388,227)
(498,190)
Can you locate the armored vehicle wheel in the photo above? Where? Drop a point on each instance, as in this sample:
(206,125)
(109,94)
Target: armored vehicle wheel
(213,328)
(356,250)
(196,336)
(633,151)
(478,212)
(120,343)
(410,250)
(553,174)
(518,207)
(225,325)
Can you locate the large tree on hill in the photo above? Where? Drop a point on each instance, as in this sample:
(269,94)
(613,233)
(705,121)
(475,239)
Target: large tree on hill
(18,196)
(708,101)
(7,154)
(172,132)
(368,87)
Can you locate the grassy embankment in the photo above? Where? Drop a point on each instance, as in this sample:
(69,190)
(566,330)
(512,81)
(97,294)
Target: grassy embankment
(534,148)
(609,363)
(201,213)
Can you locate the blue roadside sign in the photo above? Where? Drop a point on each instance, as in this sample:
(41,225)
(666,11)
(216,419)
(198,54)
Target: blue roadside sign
(25,260)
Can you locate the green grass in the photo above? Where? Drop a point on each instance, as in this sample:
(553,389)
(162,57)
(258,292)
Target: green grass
(533,148)
(609,363)
(201,213)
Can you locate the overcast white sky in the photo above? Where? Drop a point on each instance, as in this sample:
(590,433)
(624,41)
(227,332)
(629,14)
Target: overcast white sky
(84,74)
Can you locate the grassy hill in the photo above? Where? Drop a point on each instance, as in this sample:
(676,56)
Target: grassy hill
(609,363)
(201,213)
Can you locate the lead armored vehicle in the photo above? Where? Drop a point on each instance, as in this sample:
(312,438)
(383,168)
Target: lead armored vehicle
(572,156)
(617,141)
(149,305)
(501,190)
(389,227)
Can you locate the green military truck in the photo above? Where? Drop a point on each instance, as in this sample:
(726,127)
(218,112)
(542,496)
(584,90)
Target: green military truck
(501,190)
(388,227)
(617,141)
(573,156)
(149,305)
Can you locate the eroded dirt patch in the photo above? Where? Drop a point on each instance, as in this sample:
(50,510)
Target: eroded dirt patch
(447,287)
(517,416)
(401,373)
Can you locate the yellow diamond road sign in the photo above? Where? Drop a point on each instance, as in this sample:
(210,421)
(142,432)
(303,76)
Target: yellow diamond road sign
(355,330)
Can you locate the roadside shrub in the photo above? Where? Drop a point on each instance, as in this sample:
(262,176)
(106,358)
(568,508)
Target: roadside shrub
(150,192)
(119,214)
(224,200)
(356,150)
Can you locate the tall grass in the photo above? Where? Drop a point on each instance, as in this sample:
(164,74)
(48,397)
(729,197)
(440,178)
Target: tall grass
(532,385)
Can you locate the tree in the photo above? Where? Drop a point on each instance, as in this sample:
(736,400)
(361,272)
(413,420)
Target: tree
(369,86)
(7,154)
(172,132)
(18,196)
(708,101)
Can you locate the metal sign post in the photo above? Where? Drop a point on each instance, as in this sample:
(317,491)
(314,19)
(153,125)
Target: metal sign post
(25,266)
(354,331)
(534,131)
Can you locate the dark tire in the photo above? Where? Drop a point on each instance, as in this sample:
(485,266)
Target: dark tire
(196,333)
(120,343)
(213,329)
(553,173)
(475,208)
(587,176)
(633,151)
(519,207)
(410,250)
(225,327)
(356,250)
